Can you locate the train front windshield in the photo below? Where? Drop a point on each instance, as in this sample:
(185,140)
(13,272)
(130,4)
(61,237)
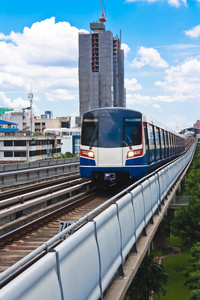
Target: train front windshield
(112,132)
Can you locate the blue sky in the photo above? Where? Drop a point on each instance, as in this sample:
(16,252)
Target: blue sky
(161,39)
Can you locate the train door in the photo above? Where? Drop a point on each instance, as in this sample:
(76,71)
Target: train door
(146,142)
(167,143)
(162,144)
(170,145)
(157,138)
(151,143)
(132,140)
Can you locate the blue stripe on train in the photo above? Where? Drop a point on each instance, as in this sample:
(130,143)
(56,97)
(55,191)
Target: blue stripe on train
(135,171)
(87,162)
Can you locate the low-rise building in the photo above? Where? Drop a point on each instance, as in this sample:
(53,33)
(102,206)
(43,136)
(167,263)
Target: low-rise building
(26,121)
(7,127)
(197,124)
(70,138)
(22,147)
(58,122)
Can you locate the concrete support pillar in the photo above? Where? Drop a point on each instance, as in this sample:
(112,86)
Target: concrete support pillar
(159,241)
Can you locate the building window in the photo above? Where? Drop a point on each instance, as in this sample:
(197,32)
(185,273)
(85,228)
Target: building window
(57,150)
(32,153)
(19,143)
(8,143)
(38,152)
(8,154)
(95,53)
(32,143)
(65,124)
(20,154)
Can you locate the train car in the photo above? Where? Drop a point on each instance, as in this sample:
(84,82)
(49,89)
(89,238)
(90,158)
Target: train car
(118,143)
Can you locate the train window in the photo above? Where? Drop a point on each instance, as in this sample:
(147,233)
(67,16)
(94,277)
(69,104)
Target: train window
(151,134)
(89,135)
(110,132)
(132,132)
(157,136)
(166,144)
(162,137)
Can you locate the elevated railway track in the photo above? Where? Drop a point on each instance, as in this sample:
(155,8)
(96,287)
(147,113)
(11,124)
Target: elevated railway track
(88,212)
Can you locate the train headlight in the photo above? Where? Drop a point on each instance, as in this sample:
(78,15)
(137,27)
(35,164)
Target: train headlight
(134,153)
(86,153)
(130,154)
(91,154)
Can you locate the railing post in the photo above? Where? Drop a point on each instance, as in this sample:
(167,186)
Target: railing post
(99,257)
(134,248)
(121,268)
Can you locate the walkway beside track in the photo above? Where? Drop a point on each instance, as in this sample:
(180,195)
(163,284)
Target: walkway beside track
(10,174)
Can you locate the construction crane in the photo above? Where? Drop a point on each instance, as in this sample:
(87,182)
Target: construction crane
(103,14)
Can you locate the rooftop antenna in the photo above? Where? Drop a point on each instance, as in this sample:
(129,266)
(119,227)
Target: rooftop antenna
(30,96)
(103,13)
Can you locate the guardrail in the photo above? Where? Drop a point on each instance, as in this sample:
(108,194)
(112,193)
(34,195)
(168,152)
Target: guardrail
(82,266)
(17,173)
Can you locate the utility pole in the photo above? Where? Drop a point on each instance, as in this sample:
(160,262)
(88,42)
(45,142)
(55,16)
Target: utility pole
(30,96)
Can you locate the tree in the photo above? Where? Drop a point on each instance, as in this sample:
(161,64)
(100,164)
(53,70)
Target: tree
(195,295)
(186,224)
(150,277)
(192,182)
(193,273)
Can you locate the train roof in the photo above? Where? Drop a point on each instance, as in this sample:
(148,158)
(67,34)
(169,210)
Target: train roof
(122,111)
(105,111)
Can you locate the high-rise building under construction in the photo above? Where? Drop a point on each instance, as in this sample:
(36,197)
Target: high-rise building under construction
(101,69)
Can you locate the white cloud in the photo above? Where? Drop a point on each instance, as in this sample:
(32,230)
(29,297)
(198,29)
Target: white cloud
(156,106)
(126,49)
(183,80)
(44,42)
(16,103)
(44,56)
(60,94)
(194,32)
(148,57)
(138,99)
(175,121)
(132,84)
(153,100)
(175,3)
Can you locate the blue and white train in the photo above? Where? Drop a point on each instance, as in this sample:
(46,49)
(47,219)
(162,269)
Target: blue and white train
(119,142)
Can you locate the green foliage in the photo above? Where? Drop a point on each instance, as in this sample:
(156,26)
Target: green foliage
(150,277)
(61,155)
(192,183)
(193,272)
(195,295)
(174,266)
(186,223)
(165,225)
(66,155)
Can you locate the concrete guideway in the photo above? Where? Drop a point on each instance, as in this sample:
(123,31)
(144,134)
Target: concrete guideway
(120,286)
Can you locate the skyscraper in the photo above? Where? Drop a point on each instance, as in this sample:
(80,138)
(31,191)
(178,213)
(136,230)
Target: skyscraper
(101,69)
